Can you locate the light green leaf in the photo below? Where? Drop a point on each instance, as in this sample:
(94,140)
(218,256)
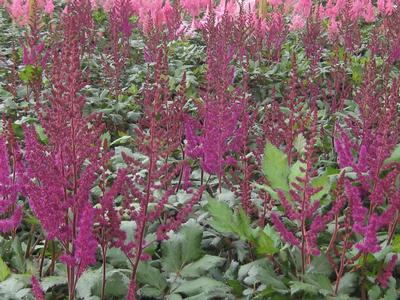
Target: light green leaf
(147,274)
(396,243)
(348,283)
(295,171)
(182,248)
(298,286)
(203,287)
(4,270)
(51,281)
(276,168)
(300,143)
(202,266)
(374,293)
(222,216)
(395,156)
(265,245)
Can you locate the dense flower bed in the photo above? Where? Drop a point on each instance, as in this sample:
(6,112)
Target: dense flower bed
(199,150)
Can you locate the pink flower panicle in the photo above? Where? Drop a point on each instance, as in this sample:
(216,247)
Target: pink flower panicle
(36,289)
(11,184)
(384,276)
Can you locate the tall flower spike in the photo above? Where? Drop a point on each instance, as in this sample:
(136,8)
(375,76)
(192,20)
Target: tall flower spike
(10,186)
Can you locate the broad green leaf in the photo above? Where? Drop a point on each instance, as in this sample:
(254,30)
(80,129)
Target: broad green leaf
(4,270)
(374,293)
(117,258)
(41,135)
(222,216)
(276,168)
(242,226)
(117,283)
(203,287)
(295,171)
(298,286)
(147,274)
(202,266)
(87,282)
(18,259)
(182,248)
(300,143)
(347,283)
(395,156)
(396,243)
(51,281)
(320,265)
(14,283)
(265,245)
(122,140)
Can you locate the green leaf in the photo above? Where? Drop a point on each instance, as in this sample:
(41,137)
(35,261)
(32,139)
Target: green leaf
(147,274)
(182,248)
(242,226)
(18,260)
(320,265)
(300,143)
(276,168)
(41,135)
(295,171)
(202,266)
(395,156)
(396,243)
(51,281)
(4,270)
(265,245)
(203,287)
(222,216)
(122,140)
(117,283)
(374,293)
(347,283)
(298,286)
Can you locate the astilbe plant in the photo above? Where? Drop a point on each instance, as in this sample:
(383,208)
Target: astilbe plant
(11,182)
(373,195)
(301,203)
(154,179)
(119,32)
(63,171)
(210,135)
(239,178)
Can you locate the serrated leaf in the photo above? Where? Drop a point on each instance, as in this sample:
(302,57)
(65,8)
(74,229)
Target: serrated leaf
(295,171)
(374,293)
(201,287)
(298,286)
(147,274)
(202,266)
(396,243)
(117,283)
(4,270)
(182,248)
(222,216)
(347,283)
(300,143)
(276,168)
(265,245)
(51,281)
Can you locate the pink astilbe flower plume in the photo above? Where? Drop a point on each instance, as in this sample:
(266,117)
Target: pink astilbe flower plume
(11,184)
(155,179)
(210,136)
(63,170)
(36,289)
(386,273)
